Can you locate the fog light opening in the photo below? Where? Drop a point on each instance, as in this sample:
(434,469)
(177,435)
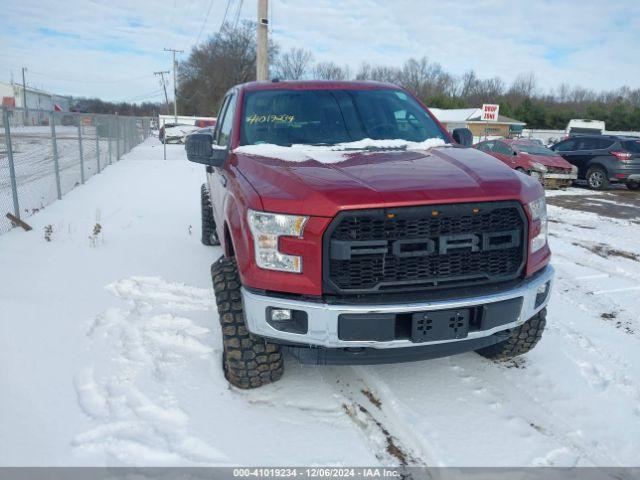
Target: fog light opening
(541,293)
(279,314)
(288,320)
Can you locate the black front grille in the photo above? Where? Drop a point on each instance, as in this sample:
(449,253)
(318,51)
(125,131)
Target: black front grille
(400,249)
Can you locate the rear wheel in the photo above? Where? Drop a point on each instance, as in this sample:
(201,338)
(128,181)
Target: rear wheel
(209,233)
(521,340)
(249,361)
(633,185)
(597,178)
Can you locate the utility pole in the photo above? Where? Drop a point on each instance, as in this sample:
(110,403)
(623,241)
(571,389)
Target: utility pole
(164,84)
(175,83)
(24,97)
(262,50)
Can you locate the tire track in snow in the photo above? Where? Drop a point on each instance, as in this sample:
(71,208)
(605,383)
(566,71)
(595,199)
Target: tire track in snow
(391,440)
(152,347)
(538,415)
(478,391)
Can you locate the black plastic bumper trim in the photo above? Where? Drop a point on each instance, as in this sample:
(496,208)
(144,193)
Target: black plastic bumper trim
(374,356)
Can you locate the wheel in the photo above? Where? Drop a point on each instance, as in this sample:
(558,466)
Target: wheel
(597,178)
(248,361)
(209,233)
(633,185)
(522,339)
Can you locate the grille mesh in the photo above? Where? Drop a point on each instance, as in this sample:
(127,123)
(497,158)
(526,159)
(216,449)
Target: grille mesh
(385,271)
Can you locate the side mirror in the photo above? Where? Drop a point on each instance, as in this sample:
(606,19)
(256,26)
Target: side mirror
(463,136)
(200,149)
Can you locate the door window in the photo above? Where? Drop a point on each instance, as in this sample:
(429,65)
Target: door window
(224,134)
(567,146)
(587,144)
(603,143)
(223,109)
(485,146)
(503,149)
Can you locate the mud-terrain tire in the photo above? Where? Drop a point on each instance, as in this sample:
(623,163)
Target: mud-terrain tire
(522,339)
(597,178)
(633,185)
(248,361)
(209,233)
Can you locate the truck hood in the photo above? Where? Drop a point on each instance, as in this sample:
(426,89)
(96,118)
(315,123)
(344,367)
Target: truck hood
(319,185)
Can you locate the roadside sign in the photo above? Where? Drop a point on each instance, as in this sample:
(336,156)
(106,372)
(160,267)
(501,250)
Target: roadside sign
(490,112)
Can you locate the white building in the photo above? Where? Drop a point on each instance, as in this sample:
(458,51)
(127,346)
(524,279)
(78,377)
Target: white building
(471,118)
(39,102)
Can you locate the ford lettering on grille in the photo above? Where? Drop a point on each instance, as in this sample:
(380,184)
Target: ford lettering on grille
(420,247)
(408,248)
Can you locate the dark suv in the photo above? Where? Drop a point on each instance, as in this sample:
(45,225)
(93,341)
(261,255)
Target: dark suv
(603,158)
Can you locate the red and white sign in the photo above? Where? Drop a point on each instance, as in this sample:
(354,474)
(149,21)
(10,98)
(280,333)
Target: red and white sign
(490,112)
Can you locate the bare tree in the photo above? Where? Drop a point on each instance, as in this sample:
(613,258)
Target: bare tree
(214,66)
(294,64)
(524,86)
(331,71)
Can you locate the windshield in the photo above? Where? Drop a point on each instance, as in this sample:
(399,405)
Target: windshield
(534,149)
(327,117)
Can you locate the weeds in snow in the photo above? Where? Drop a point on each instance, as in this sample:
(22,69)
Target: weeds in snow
(48,232)
(95,235)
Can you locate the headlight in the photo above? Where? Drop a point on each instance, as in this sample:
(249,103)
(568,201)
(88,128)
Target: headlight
(574,170)
(266,229)
(538,166)
(538,210)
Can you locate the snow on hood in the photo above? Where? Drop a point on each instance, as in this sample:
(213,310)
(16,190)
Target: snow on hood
(332,153)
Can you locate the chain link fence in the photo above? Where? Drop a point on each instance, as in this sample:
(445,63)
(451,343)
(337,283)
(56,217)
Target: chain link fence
(44,154)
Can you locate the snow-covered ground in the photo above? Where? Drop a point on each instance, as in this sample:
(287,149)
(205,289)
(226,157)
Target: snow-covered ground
(110,352)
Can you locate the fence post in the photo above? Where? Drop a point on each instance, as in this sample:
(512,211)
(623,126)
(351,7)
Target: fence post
(110,123)
(80,147)
(97,119)
(54,144)
(117,138)
(12,169)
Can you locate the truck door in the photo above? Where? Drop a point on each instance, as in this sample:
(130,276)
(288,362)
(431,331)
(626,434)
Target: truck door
(216,176)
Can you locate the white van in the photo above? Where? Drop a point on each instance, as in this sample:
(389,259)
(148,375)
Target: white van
(577,126)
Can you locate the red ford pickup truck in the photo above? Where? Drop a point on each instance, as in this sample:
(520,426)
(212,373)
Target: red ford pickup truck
(356,230)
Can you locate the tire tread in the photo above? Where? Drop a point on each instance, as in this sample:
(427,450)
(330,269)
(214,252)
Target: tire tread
(209,234)
(249,361)
(522,340)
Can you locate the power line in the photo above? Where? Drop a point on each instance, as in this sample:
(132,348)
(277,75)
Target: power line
(63,79)
(224,17)
(206,17)
(237,16)
(164,84)
(144,96)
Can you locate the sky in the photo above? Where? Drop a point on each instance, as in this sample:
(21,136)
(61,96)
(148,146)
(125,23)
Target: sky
(110,49)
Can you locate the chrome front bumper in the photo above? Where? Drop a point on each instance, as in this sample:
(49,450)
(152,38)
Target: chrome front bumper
(323,317)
